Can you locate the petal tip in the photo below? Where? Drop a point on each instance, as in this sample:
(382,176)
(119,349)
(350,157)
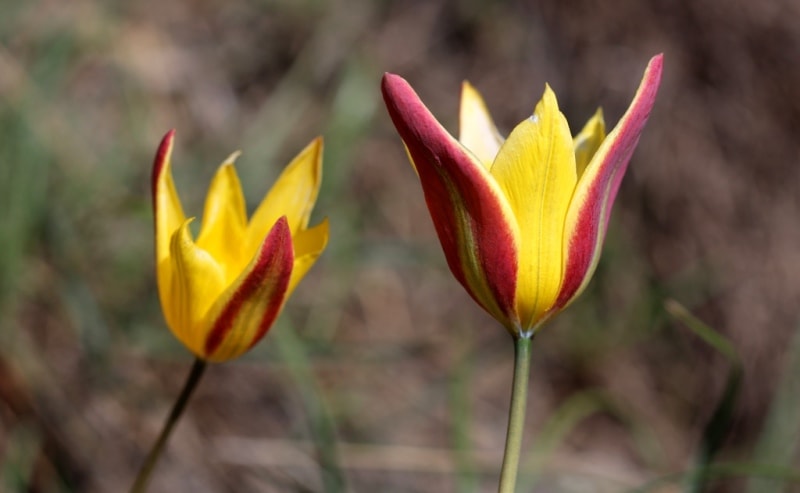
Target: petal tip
(393,87)
(231,159)
(162,158)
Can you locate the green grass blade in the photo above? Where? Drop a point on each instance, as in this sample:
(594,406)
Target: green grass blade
(717,427)
(779,442)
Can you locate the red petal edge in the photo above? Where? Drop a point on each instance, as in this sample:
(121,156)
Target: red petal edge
(275,261)
(164,149)
(444,167)
(603,192)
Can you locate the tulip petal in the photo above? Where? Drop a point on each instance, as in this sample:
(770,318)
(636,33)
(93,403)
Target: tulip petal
(167,211)
(477,131)
(246,310)
(475,224)
(225,220)
(588,141)
(535,168)
(308,245)
(293,195)
(197,282)
(590,209)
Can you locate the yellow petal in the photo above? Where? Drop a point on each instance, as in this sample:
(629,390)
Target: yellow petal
(196,284)
(535,168)
(225,220)
(167,211)
(308,245)
(477,131)
(588,141)
(293,196)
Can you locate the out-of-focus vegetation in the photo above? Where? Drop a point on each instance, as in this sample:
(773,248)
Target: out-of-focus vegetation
(379,346)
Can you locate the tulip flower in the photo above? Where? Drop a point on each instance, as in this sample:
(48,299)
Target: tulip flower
(521,220)
(222,293)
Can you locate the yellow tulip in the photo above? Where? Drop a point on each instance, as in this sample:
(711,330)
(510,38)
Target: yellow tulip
(521,220)
(221,293)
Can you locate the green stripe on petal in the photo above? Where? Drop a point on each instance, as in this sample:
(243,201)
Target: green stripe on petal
(590,209)
(535,168)
(225,220)
(477,131)
(196,284)
(243,314)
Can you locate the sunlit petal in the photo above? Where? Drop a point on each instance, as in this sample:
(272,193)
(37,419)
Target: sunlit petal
(535,168)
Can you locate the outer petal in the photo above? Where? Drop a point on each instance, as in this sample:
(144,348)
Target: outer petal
(477,131)
(588,141)
(246,310)
(225,220)
(308,245)
(590,208)
(167,211)
(197,282)
(535,168)
(475,224)
(293,195)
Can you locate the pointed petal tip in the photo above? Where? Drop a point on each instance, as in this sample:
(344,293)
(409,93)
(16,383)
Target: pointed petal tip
(162,157)
(652,74)
(393,86)
(549,95)
(657,61)
(231,159)
(317,145)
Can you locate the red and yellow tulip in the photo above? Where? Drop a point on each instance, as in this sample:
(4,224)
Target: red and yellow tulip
(521,220)
(221,293)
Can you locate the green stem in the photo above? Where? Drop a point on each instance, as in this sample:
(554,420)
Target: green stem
(140,485)
(516,415)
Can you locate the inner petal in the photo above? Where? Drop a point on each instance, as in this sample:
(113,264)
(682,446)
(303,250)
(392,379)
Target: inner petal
(588,140)
(535,168)
(224,221)
(477,131)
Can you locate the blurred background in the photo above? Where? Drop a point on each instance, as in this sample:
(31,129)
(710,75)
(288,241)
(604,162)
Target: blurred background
(380,349)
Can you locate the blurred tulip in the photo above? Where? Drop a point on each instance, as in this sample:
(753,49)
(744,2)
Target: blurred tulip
(221,294)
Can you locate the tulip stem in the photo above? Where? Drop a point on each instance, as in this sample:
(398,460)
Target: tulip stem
(140,485)
(516,414)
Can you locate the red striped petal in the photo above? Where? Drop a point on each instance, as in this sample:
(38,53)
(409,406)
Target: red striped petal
(474,222)
(590,209)
(246,311)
